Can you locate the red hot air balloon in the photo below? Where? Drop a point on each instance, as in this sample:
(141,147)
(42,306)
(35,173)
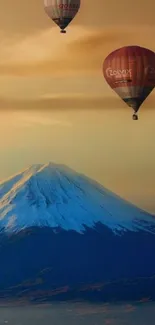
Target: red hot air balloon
(130,72)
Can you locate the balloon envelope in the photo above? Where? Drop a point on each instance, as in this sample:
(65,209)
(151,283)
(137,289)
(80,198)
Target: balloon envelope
(62,12)
(130,72)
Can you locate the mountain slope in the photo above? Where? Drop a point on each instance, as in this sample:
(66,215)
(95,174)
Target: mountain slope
(54,195)
(63,236)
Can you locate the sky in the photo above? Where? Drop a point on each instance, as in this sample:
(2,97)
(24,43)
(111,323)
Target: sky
(55,104)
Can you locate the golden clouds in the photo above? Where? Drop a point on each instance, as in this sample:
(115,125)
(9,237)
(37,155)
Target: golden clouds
(42,53)
(53,69)
(72,102)
(62,103)
(31,44)
(93,48)
(80,52)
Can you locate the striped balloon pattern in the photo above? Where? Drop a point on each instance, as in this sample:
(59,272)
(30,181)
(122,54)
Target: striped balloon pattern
(62,12)
(130,72)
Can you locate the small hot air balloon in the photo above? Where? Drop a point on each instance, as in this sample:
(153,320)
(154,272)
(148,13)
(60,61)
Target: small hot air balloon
(130,72)
(62,12)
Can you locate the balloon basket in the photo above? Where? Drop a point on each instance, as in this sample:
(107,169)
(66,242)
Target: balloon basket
(134,117)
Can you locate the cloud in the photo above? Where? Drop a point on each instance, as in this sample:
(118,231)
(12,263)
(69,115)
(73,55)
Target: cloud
(44,53)
(46,63)
(37,47)
(31,120)
(57,103)
(22,120)
(67,96)
(62,103)
(48,53)
(93,48)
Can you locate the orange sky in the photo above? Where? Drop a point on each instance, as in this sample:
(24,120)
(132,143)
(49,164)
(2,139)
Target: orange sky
(53,94)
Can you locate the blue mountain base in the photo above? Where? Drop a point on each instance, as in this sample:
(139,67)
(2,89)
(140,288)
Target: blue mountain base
(54,264)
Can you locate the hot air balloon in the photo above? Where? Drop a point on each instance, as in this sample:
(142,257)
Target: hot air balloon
(130,72)
(62,12)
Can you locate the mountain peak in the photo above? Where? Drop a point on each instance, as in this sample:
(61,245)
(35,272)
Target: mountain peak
(50,166)
(56,196)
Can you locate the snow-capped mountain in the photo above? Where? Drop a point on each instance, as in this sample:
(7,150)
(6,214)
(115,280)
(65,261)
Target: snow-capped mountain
(64,236)
(56,196)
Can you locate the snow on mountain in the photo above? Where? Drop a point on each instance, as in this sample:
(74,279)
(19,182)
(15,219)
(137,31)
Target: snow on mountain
(56,196)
